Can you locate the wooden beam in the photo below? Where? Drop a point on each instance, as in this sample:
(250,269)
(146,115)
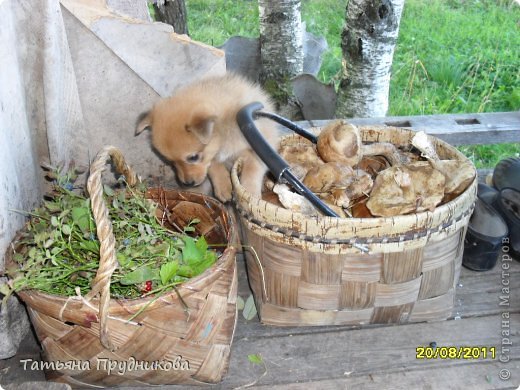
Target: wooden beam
(456,129)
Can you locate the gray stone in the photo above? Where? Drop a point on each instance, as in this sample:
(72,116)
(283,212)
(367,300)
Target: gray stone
(14,327)
(317,100)
(243,55)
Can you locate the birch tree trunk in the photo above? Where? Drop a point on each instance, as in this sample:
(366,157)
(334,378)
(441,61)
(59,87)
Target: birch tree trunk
(368,41)
(172,12)
(281,45)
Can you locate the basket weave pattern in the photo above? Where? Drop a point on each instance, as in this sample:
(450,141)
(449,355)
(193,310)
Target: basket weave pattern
(309,273)
(187,346)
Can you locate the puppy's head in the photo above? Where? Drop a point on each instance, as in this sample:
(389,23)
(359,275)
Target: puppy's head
(184,134)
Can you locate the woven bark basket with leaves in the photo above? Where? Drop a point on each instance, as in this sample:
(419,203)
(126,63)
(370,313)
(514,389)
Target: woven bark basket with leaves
(310,271)
(182,337)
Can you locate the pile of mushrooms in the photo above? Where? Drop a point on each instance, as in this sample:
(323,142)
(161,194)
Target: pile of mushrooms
(368,180)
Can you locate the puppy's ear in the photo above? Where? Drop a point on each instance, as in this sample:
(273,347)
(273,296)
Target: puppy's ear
(144,122)
(202,127)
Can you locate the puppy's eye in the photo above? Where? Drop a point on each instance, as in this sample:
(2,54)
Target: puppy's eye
(193,158)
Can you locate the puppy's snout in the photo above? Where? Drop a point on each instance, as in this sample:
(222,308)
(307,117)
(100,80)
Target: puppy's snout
(190,183)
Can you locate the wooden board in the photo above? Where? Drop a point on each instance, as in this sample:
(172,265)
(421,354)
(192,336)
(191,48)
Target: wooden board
(456,129)
(470,376)
(360,354)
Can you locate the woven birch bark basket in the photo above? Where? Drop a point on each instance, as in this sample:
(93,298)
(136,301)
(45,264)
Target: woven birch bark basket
(89,342)
(308,270)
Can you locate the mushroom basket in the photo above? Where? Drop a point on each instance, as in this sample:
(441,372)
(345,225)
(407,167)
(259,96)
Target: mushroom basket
(320,270)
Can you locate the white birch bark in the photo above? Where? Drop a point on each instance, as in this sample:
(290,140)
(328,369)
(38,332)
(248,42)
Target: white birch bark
(368,41)
(281,39)
(172,12)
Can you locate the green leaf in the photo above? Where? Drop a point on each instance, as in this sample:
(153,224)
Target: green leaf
(256,359)
(41,237)
(186,271)
(140,275)
(189,228)
(121,197)
(81,218)
(66,230)
(249,311)
(160,249)
(197,255)
(209,258)
(91,246)
(240,303)
(108,190)
(52,206)
(122,259)
(54,221)
(4,289)
(190,253)
(202,245)
(63,214)
(141,230)
(168,271)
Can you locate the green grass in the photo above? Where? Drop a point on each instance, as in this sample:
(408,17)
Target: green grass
(455,57)
(452,56)
(487,156)
(214,21)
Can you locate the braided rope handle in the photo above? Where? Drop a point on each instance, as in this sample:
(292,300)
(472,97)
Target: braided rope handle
(108,262)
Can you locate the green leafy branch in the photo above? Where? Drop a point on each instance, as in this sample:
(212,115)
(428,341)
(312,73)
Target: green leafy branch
(58,249)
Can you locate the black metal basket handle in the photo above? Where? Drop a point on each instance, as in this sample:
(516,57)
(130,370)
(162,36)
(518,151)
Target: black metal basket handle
(277,165)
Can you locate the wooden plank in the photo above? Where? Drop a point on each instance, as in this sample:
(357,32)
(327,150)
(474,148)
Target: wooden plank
(470,376)
(334,355)
(478,293)
(497,270)
(456,129)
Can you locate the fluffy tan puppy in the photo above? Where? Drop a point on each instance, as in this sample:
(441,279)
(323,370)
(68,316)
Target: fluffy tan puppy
(196,129)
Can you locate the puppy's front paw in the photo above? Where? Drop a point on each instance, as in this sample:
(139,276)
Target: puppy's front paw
(223,190)
(221,180)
